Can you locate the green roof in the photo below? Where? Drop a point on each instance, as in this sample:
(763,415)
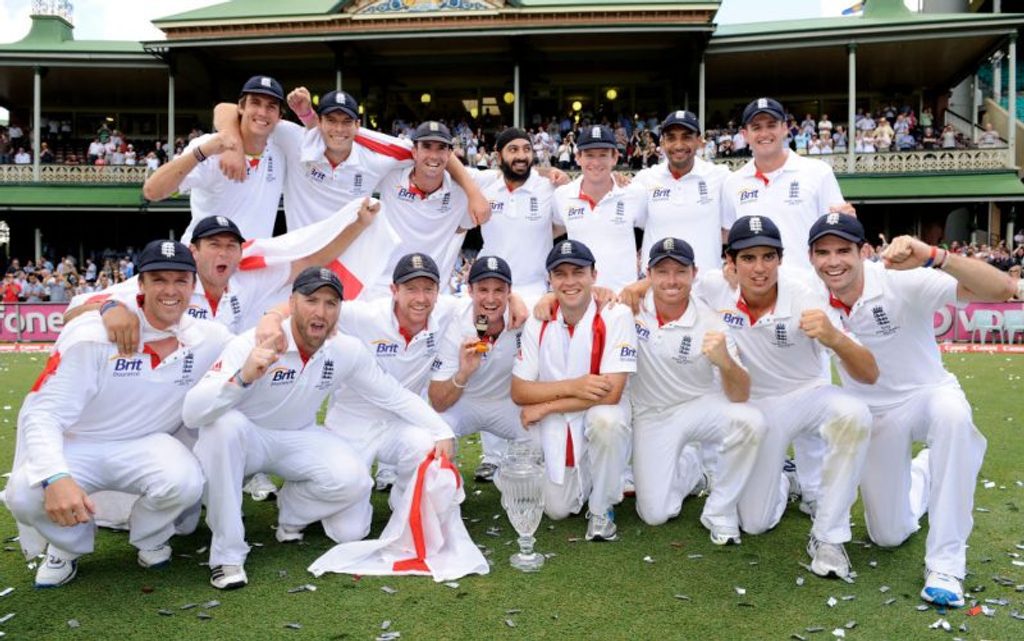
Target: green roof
(52,34)
(71,196)
(1003,185)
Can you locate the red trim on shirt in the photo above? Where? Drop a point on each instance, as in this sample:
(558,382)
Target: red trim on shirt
(154,358)
(760,176)
(838,304)
(250,263)
(213,303)
(657,315)
(674,174)
(48,370)
(397,152)
(254,162)
(304,356)
(98,298)
(416,191)
(743,307)
(332,163)
(587,199)
(406,334)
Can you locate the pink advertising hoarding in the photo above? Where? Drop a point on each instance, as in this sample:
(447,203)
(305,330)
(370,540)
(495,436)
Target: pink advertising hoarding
(31,322)
(958,323)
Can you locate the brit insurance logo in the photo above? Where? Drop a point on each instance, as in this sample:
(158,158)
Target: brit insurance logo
(626,352)
(748,196)
(126,367)
(733,317)
(575,213)
(642,332)
(316,175)
(660,194)
(406,195)
(497,207)
(282,376)
(195,311)
(383,348)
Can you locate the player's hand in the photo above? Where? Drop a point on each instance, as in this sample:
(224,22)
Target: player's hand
(66,503)
(445,448)
(368,211)
(530,415)
(228,147)
(634,293)
(905,252)
(591,387)
(122,329)
(816,324)
(299,100)
(518,312)
(604,297)
(730,275)
(558,177)
(714,348)
(469,359)
(843,208)
(544,309)
(268,329)
(479,208)
(259,361)
(621,180)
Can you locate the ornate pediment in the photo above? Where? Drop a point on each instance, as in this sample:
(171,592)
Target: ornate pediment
(395,8)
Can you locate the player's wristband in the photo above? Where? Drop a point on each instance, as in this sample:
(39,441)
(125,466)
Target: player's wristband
(237,378)
(53,479)
(107,306)
(302,117)
(931,257)
(457,386)
(198,153)
(945,258)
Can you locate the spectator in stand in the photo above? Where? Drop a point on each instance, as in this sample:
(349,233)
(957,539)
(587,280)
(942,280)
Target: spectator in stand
(839,140)
(927,119)
(825,127)
(814,146)
(567,151)
(483,159)
(11,290)
(90,270)
(95,151)
(901,126)
(15,134)
(1014,273)
(161,154)
(46,156)
(949,137)
(130,158)
(5,147)
(802,141)
(989,138)
(33,292)
(117,156)
(22,157)
(905,141)
(152,161)
(71,159)
(865,143)
(14,266)
(808,125)
(103,133)
(65,129)
(710,148)
(825,145)
(884,134)
(929,140)
(58,288)
(866,124)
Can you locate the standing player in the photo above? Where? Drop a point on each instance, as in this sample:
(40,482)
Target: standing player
(915,398)
(782,332)
(689,388)
(256,412)
(595,211)
(96,420)
(251,204)
(472,372)
(570,380)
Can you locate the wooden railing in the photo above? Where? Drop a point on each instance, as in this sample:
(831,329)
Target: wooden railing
(75,174)
(907,162)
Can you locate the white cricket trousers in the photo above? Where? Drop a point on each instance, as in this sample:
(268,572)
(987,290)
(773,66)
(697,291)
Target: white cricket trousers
(389,441)
(844,424)
(941,480)
(597,475)
(157,467)
(496,420)
(324,481)
(664,478)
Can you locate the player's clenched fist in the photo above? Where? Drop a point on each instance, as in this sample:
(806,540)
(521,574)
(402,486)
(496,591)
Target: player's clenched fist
(714,348)
(299,100)
(260,359)
(816,324)
(905,252)
(592,387)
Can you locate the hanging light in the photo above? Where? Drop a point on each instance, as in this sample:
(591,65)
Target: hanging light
(577,105)
(425,98)
(509,97)
(612,93)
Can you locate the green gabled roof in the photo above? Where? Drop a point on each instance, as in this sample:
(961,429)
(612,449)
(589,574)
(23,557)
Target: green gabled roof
(1003,185)
(71,196)
(54,35)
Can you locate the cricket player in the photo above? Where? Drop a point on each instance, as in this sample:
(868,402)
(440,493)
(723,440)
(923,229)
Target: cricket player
(890,311)
(782,331)
(256,412)
(689,388)
(98,420)
(570,380)
(472,372)
(251,204)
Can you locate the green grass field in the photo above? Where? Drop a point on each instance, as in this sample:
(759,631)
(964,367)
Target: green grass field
(586,591)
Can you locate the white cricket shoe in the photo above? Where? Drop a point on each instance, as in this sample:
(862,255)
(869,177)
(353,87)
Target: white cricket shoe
(228,577)
(288,534)
(59,568)
(722,535)
(601,527)
(156,558)
(828,559)
(942,589)
(260,487)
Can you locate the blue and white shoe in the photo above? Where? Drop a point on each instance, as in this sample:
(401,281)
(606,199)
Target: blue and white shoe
(601,527)
(59,568)
(943,590)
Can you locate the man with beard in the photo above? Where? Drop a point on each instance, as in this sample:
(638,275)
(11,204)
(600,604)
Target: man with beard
(256,412)
(891,311)
(96,420)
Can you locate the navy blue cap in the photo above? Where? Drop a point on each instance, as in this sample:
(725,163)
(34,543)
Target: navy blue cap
(675,248)
(508,135)
(596,137)
(843,225)
(313,278)
(432,130)
(415,266)
(681,118)
(754,231)
(263,85)
(569,251)
(168,255)
(338,101)
(768,106)
(213,225)
(490,267)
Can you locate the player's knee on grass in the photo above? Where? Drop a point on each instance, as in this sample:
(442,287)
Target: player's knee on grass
(178,484)
(849,422)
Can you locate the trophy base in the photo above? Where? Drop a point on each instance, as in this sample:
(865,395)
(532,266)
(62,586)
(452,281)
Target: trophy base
(527,562)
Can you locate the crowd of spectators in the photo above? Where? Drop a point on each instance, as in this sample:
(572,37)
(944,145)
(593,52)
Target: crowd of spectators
(41,281)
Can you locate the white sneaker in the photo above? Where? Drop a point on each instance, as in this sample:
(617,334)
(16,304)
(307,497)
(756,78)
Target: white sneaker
(157,558)
(260,487)
(228,577)
(942,589)
(601,527)
(721,535)
(288,534)
(703,486)
(385,479)
(809,507)
(828,559)
(59,568)
(789,471)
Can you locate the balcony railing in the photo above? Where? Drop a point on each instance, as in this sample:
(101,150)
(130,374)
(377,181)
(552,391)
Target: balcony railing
(75,174)
(907,162)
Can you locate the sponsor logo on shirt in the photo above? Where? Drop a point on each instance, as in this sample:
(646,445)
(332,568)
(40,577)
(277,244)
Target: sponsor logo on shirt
(661,194)
(127,367)
(436,365)
(317,175)
(683,353)
(748,196)
(406,195)
(282,376)
(575,213)
(384,348)
(733,318)
(642,332)
(197,312)
(497,206)
(626,352)
(884,325)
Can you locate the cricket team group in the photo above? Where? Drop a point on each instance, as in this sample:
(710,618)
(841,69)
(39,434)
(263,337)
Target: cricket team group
(691,367)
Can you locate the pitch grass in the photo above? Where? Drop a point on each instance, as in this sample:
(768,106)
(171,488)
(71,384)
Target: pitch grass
(586,591)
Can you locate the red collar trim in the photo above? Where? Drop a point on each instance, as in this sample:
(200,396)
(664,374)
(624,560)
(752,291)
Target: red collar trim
(304,356)
(743,307)
(213,303)
(760,176)
(406,334)
(587,199)
(838,304)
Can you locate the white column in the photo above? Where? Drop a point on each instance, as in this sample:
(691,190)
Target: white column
(517,113)
(170,114)
(997,77)
(701,96)
(974,107)
(37,93)
(851,107)
(1011,98)
(37,239)
(337,79)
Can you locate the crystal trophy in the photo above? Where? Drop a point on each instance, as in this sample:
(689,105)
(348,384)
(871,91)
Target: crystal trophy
(520,479)
(481,325)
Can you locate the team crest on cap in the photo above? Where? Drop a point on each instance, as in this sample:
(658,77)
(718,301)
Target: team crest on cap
(595,132)
(755,224)
(417,261)
(833,219)
(566,248)
(339,98)
(433,126)
(326,274)
(492,263)
(680,114)
(762,103)
(167,249)
(222,221)
(266,82)
(669,244)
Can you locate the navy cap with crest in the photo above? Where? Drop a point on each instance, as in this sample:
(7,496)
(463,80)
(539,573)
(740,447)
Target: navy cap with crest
(835,224)
(596,137)
(681,118)
(675,248)
(166,255)
(431,130)
(338,101)
(213,225)
(569,251)
(313,278)
(415,266)
(754,231)
(490,267)
(263,85)
(768,106)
